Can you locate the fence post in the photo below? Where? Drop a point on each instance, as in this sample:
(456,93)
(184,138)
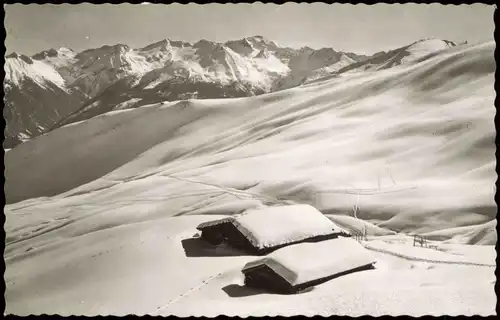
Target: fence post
(420,240)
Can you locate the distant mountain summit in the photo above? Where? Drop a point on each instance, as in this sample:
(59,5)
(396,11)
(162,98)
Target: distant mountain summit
(36,96)
(411,53)
(59,86)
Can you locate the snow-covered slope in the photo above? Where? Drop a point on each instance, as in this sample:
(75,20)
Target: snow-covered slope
(409,54)
(343,61)
(307,68)
(98,227)
(423,137)
(36,97)
(322,69)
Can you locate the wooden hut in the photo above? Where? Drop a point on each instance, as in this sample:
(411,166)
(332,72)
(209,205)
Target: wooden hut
(300,266)
(262,230)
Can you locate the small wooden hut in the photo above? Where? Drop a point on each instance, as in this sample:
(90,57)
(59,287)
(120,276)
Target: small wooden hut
(297,267)
(262,230)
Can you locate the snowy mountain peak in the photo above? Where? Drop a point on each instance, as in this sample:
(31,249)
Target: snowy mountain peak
(325,51)
(180,44)
(167,43)
(65,50)
(246,42)
(424,47)
(161,45)
(409,54)
(242,46)
(24,58)
(306,49)
(120,47)
(263,54)
(325,54)
(433,42)
(51,53)
(203,44)
(259,42)
(45,54)
(344,57)
(259,39)
(19,68)
(104,50)
(36,96)
(13,55)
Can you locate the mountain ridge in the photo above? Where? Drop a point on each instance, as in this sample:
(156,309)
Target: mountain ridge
(118,76)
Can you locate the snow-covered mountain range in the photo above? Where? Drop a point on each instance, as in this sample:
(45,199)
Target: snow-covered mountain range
(57,87)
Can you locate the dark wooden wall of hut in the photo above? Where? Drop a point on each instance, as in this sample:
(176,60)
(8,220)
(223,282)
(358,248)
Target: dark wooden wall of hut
(265,278)
(228,233)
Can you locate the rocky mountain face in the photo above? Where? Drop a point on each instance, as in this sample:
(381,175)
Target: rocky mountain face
(57,87)
(36,96)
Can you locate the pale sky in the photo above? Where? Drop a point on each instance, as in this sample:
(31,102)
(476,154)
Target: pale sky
(345,27)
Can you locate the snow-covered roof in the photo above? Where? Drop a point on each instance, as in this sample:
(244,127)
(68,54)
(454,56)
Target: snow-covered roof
(214,223)
(274,226)
(306,262)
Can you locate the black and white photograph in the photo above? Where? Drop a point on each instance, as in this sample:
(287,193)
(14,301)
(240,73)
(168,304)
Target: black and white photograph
(249,159)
